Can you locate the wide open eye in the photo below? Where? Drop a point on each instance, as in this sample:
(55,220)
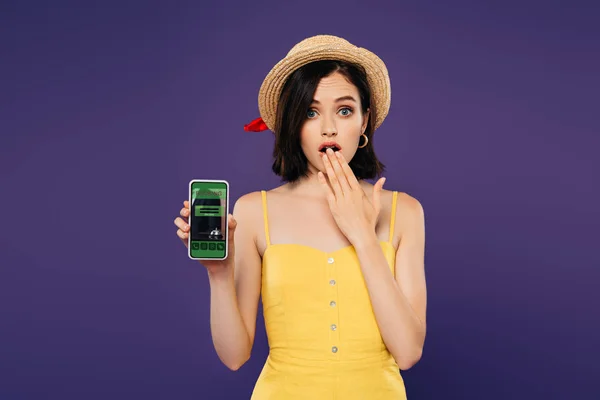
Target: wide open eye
(347,113)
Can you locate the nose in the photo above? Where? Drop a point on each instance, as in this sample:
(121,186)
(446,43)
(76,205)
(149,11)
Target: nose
(329,129)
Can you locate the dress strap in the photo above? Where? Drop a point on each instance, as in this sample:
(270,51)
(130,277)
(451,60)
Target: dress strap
(266,219)
(393,218)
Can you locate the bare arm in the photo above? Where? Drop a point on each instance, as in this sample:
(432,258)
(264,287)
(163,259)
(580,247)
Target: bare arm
(399,304)
(235,290)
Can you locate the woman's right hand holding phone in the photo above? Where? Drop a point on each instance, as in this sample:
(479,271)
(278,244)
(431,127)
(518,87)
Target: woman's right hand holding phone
(183,232)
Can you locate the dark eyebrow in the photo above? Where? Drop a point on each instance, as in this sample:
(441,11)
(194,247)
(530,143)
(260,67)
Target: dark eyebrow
(338,99)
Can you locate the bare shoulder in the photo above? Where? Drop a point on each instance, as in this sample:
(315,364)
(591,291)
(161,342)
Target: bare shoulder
(408,204)
(247,210)
(248,203)
(410,214)
(405,202)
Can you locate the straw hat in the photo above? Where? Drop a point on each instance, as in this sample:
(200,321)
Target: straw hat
(316,48)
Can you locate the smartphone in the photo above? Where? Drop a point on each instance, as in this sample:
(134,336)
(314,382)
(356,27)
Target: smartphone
(209,208)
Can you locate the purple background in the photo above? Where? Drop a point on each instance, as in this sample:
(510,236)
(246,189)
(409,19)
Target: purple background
(109,109)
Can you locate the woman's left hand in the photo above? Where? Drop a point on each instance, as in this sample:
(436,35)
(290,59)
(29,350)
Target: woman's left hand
(353,211)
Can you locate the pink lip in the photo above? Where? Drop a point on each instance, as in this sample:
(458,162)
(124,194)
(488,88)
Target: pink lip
(329,144)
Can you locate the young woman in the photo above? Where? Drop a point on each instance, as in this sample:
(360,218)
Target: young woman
(339,262)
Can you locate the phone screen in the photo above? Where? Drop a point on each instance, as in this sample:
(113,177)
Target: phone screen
(208,219)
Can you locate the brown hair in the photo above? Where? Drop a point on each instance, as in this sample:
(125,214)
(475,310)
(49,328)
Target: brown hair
(296,96)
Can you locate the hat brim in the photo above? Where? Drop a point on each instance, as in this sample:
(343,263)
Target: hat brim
(377,77)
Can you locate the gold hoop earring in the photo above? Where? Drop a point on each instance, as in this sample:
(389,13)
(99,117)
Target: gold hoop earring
(366,142)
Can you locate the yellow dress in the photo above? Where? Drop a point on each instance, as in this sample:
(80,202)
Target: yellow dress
(323,337)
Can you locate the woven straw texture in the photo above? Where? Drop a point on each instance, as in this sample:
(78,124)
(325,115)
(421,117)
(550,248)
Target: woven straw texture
(325,47)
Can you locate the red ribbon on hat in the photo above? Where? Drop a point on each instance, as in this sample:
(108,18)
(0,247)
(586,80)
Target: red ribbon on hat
(256,125)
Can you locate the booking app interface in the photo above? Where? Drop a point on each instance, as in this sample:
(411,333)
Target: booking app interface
(208,219)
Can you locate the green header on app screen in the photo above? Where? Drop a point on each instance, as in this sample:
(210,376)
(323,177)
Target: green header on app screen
(209,190)
(209,211)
